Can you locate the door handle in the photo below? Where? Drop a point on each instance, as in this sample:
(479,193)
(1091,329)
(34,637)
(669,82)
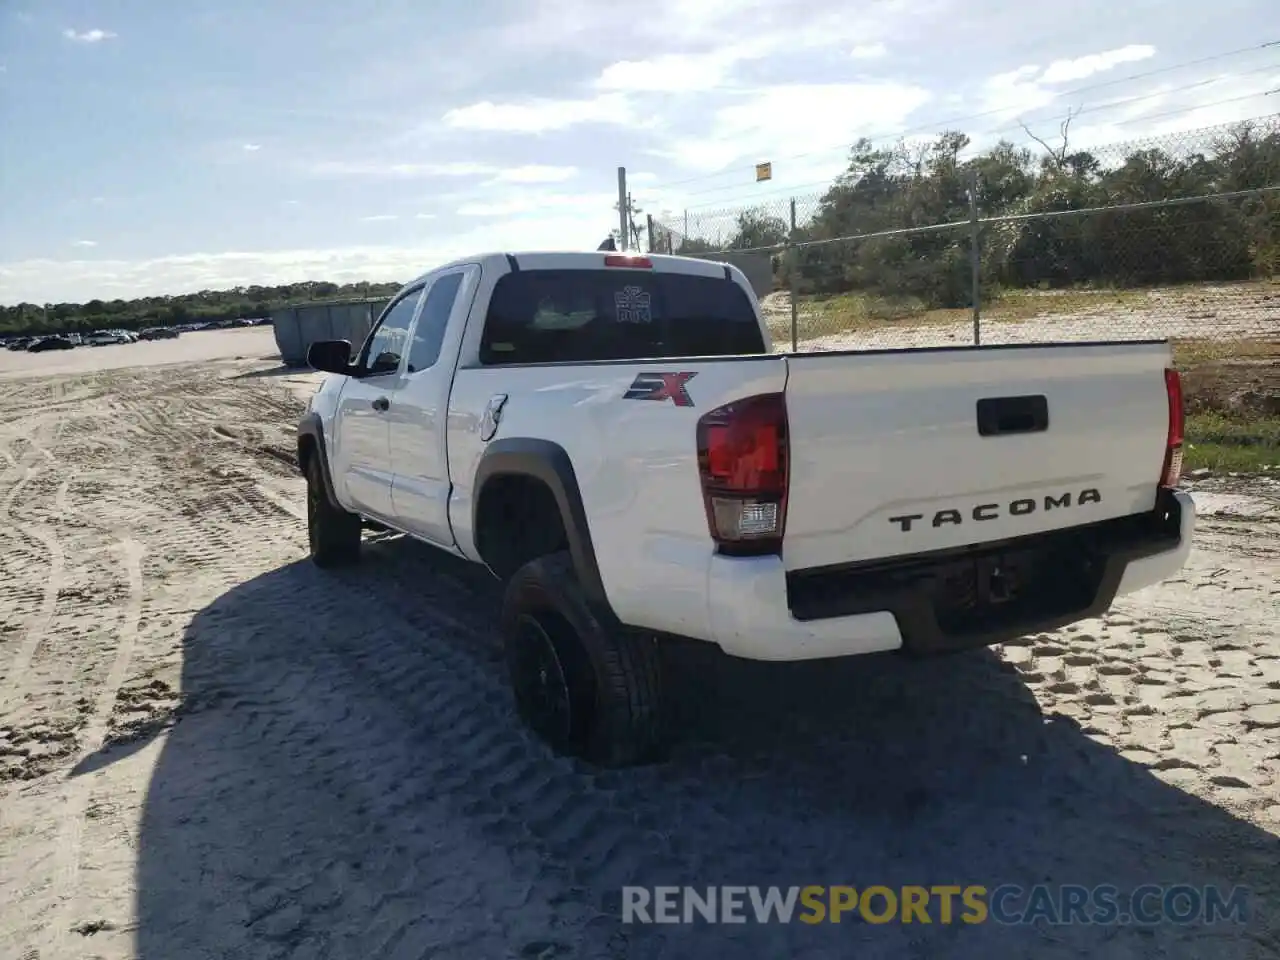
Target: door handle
(381,404)
(492,416)
(998,416)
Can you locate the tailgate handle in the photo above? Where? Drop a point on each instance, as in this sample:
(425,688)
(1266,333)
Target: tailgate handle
(998,416)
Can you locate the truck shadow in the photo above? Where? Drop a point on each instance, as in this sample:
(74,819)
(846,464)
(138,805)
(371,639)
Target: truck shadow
(283,370)
(348,780)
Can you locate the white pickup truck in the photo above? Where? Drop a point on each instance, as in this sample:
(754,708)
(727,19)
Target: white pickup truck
(614,437)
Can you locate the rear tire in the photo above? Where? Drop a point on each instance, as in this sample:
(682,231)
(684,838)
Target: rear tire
(584,689)
(332,533)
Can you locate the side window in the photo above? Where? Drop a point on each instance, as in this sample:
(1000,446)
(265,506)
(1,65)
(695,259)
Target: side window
(429,333)
(387,342)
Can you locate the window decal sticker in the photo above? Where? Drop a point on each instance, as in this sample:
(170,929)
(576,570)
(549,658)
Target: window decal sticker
(632,305)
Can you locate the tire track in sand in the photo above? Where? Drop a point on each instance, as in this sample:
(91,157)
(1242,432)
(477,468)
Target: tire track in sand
(76,790)
(47,536)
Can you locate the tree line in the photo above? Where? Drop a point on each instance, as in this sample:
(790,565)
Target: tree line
(915,185)
(205,306)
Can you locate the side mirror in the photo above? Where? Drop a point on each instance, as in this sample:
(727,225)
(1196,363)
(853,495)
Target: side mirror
(330,356)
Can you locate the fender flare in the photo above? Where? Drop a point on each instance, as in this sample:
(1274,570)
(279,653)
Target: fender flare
(311,434)
(548,462)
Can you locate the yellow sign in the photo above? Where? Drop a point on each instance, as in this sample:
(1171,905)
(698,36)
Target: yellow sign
(764,171)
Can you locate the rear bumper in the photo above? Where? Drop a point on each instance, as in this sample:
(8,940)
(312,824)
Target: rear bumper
(934,603)
(1146,571)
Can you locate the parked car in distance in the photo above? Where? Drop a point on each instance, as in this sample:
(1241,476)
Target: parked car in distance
(103,338)
(57,342)
(158,333)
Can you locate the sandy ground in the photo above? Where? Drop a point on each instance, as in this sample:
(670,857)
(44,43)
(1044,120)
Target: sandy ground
(208,748)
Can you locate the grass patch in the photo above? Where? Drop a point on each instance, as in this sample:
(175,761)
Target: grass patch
(1227,443)
(1189,354)
(1014,305)
(855,312)
(1232,389)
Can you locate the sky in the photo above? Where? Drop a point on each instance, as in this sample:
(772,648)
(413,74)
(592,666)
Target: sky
(150,148)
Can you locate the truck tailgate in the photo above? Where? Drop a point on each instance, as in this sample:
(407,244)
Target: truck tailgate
(888,456)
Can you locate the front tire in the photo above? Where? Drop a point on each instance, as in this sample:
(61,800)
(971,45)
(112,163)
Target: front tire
(333,534)
(586,690)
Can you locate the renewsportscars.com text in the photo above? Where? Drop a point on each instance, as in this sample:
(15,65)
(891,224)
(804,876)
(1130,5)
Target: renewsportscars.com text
(941,904)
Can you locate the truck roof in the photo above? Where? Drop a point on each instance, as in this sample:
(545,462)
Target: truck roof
(588,259)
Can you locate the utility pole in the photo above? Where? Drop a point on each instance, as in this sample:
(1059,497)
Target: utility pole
(624,226)
(632,210)
(975,257)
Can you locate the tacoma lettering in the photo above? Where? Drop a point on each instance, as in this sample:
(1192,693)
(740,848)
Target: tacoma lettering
(1024,506)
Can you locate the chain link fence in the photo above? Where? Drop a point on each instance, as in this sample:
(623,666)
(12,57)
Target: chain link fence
(919,246)
(927,244)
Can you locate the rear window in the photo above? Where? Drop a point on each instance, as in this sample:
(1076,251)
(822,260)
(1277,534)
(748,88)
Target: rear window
(546,316)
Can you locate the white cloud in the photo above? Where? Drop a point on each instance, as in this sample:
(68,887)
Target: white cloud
(88,36)
(540,115)
(535,173)
(84,243)
(424,216)
(1005,95)
(774,122)
(671,24)
(252,147)
(869,51)
(671,73)
(520,204)
(494,173)
(380,218)
(1029,87)
(1065,71)
(1121,116)
(398,171)
(54,281)
(747,28)
(702,50)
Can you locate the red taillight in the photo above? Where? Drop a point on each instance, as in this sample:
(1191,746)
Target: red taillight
(742,461)
(622,260)
(1172,470)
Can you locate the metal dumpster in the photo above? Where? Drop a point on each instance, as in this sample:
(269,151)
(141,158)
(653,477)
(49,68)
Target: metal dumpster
(299,326)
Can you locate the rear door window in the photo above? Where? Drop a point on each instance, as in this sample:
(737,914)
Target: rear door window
(428,335)
(386,344)
(548,316)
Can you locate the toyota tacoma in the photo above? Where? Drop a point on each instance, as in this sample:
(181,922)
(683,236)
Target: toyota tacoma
(614,437)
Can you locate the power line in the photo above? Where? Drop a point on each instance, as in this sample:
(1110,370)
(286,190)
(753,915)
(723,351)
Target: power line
(725,204)
(934,125)
(1110,105)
